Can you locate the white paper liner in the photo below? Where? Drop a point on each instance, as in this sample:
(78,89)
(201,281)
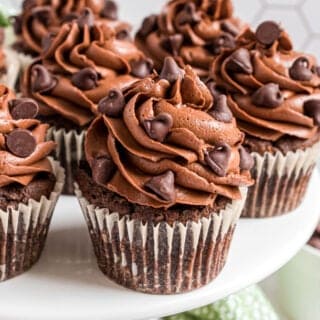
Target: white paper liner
(23,231)
(13,68)
(159,258)
(281,182)
(69,152)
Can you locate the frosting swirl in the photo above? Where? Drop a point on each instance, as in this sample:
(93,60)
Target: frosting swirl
(193,32)
(78,67)
(42,17)
(21,165)
(271,86)
(164,147)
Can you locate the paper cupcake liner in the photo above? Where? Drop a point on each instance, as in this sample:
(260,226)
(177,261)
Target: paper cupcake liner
(23,231)
(69,153)
(281,182)
(160,258)
(11,76)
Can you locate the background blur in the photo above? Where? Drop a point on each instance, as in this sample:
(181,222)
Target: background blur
(300,17)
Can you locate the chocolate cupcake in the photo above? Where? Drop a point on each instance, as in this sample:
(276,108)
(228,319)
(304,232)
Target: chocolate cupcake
(193,32)
(274,94)
(78,68)
(161,188)
(30,184)
(41,19)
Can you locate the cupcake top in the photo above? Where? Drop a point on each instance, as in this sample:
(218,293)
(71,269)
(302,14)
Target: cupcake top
(273,90)
(42,17)
(193,32)
(79,66)
(165,141)
(23,149)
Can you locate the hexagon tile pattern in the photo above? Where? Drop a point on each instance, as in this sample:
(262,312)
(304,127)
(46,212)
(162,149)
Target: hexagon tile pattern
(299,17)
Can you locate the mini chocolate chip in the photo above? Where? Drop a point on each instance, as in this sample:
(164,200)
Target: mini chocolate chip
(312,109)
(171,71)
(110,11)
(268,32)
(85,79)
(42,80)
(268,96)
(188,15)
(172,43)
(229,27)
(86,18)
(240,61)
(225,41)
(246,160)
(141,68)
(220,110)
(163,186)
(112,105)
(159,127)
(17,24)
(47,41)
(123,35)
(23,108)
(103,169)
(300,70)
(214,89)
(21,143)
(218,159)
(149,25)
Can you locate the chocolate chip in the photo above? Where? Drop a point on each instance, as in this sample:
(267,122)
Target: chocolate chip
(141,68)
(218,159)
(123,35)
(188,15)
(159,127)
(214,89)
(149,25)
(112,105)
(21,143)
(85,79)
(312,109)
(220,110)
(47,41)
(246,160)
(17,24)
(42,80)
(268,96)
(171,71)
(225,41)
(268,32)
(110,11)
(103,169)
(86,18)
(300,70)
(173,43)
(23,108)
(240,62)
(229,27)
(163,186)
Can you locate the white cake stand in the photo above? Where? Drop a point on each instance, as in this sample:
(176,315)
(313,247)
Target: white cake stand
(66,283)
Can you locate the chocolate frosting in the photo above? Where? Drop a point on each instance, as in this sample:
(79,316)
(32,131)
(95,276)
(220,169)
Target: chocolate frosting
(268,91)
(62,79)
(14,169)
(193,32)
(42,17)
(160,145)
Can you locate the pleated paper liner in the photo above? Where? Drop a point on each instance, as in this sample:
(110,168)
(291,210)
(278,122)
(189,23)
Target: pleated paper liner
(69,153)
(23,231)
(160,258)
(11,76)
(281,182)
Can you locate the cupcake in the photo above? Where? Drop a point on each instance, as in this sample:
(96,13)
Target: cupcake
(77,69)
(30,184)
(193,32)
(164,183)
(273,91)
(9,63)
(42,18)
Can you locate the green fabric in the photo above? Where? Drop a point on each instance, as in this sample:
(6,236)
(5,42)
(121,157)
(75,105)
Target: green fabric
(249,304)
(4,22)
